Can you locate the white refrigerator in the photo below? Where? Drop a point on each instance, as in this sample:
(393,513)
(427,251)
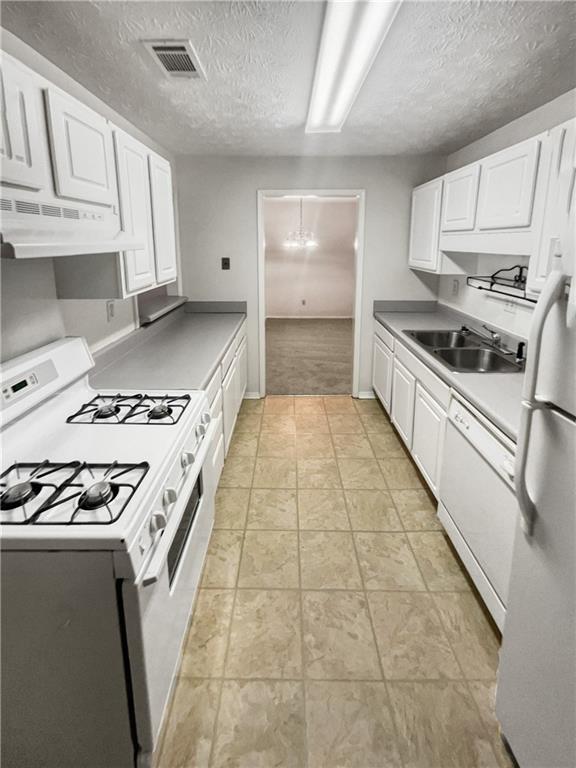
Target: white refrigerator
(536,691)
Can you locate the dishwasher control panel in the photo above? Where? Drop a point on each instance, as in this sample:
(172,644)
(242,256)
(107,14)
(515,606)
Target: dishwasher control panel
(494,447)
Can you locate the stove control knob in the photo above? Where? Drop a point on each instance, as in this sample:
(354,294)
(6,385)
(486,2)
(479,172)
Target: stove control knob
(157,523)
(169,497)
(200,431)
(206,418)
(187,459)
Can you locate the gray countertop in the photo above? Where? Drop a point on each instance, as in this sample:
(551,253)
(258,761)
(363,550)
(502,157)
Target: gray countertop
(180,351)
(496,395)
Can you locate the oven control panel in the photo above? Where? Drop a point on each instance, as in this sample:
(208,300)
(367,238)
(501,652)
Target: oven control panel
(20,386)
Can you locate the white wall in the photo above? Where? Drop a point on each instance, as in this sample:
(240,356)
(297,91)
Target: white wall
(323,278)
(31,314)
(509,316)
(541,119)
(515,318)
(218,207)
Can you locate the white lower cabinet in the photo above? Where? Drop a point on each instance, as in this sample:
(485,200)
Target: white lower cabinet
(428,436)
(229,404)
(382,364)
(403,392)
(234,383)
(417,401)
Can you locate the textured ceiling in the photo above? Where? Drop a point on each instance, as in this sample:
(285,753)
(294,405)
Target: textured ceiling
(333,221)
(448,72)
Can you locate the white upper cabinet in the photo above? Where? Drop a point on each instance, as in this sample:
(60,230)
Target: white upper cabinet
(163,219)
(460,198)
(507,185)
(425,225)
(82,151)
(559,221)
(135,210)
(21,151)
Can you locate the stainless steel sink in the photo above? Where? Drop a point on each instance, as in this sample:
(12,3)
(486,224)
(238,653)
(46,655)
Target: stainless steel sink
(477,360)
(440,338)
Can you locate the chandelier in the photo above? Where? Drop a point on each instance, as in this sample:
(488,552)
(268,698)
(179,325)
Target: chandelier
(300,238)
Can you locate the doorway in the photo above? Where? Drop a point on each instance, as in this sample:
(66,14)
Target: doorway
(310,278)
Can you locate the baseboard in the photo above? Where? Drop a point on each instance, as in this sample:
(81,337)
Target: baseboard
(251,395)
(310,317)
(367,395)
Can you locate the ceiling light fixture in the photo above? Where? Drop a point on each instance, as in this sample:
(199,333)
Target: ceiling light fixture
(352,34)
(300,238)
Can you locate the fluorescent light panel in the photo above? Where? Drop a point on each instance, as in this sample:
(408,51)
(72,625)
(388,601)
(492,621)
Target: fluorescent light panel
(352,34)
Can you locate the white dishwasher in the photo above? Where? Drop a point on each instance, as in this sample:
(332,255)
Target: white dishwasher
(478,505)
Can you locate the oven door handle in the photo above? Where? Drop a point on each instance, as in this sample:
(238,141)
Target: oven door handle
(157,562)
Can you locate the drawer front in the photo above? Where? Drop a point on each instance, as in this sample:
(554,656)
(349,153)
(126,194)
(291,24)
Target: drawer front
(428,379)
(214,386)
(384,335)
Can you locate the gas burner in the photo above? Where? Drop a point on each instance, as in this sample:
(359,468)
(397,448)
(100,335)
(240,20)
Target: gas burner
(161,411)
(106,411)
(98,495)
(131,409)
(18,495)
(72,493)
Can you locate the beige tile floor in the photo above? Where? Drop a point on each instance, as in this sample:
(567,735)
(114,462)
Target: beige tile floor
(334,626)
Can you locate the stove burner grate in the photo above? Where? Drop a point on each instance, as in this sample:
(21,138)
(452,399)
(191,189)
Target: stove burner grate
(131,409)
(69,493)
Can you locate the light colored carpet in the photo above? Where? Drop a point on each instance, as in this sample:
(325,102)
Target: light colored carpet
(309,357)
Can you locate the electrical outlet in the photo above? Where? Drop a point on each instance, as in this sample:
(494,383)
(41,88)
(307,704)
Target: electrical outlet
(110,309)
(303,302)
(225,262)
(455,287)
(510,307)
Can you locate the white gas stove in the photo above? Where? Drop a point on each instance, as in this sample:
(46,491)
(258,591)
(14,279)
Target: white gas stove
(109,483)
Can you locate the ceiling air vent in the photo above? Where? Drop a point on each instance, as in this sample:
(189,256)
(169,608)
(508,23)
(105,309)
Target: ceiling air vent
(176,58)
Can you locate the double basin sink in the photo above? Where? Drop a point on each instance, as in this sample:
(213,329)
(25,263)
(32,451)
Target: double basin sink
(463,351)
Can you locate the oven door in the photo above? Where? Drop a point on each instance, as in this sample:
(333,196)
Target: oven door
(158,604)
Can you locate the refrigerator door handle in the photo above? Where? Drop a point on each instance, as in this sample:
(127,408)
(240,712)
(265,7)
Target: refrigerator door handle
(553,290)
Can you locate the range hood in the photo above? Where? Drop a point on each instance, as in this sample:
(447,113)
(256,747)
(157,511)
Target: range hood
(15,249)
(32,230)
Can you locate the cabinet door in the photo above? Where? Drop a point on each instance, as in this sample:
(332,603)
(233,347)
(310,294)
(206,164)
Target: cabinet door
(559,216)
(425,226)
(82,151)
(507,183)
(229,403)
(242,366)
(163,219)
(382,373)
(403,391)
(460,199)
(21,140)
(428,436)
(135,210)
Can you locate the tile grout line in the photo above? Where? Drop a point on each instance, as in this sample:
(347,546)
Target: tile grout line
(229,632)
(365,592)
(373,630)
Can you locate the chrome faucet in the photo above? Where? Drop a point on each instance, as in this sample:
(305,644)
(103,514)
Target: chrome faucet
(495,338)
